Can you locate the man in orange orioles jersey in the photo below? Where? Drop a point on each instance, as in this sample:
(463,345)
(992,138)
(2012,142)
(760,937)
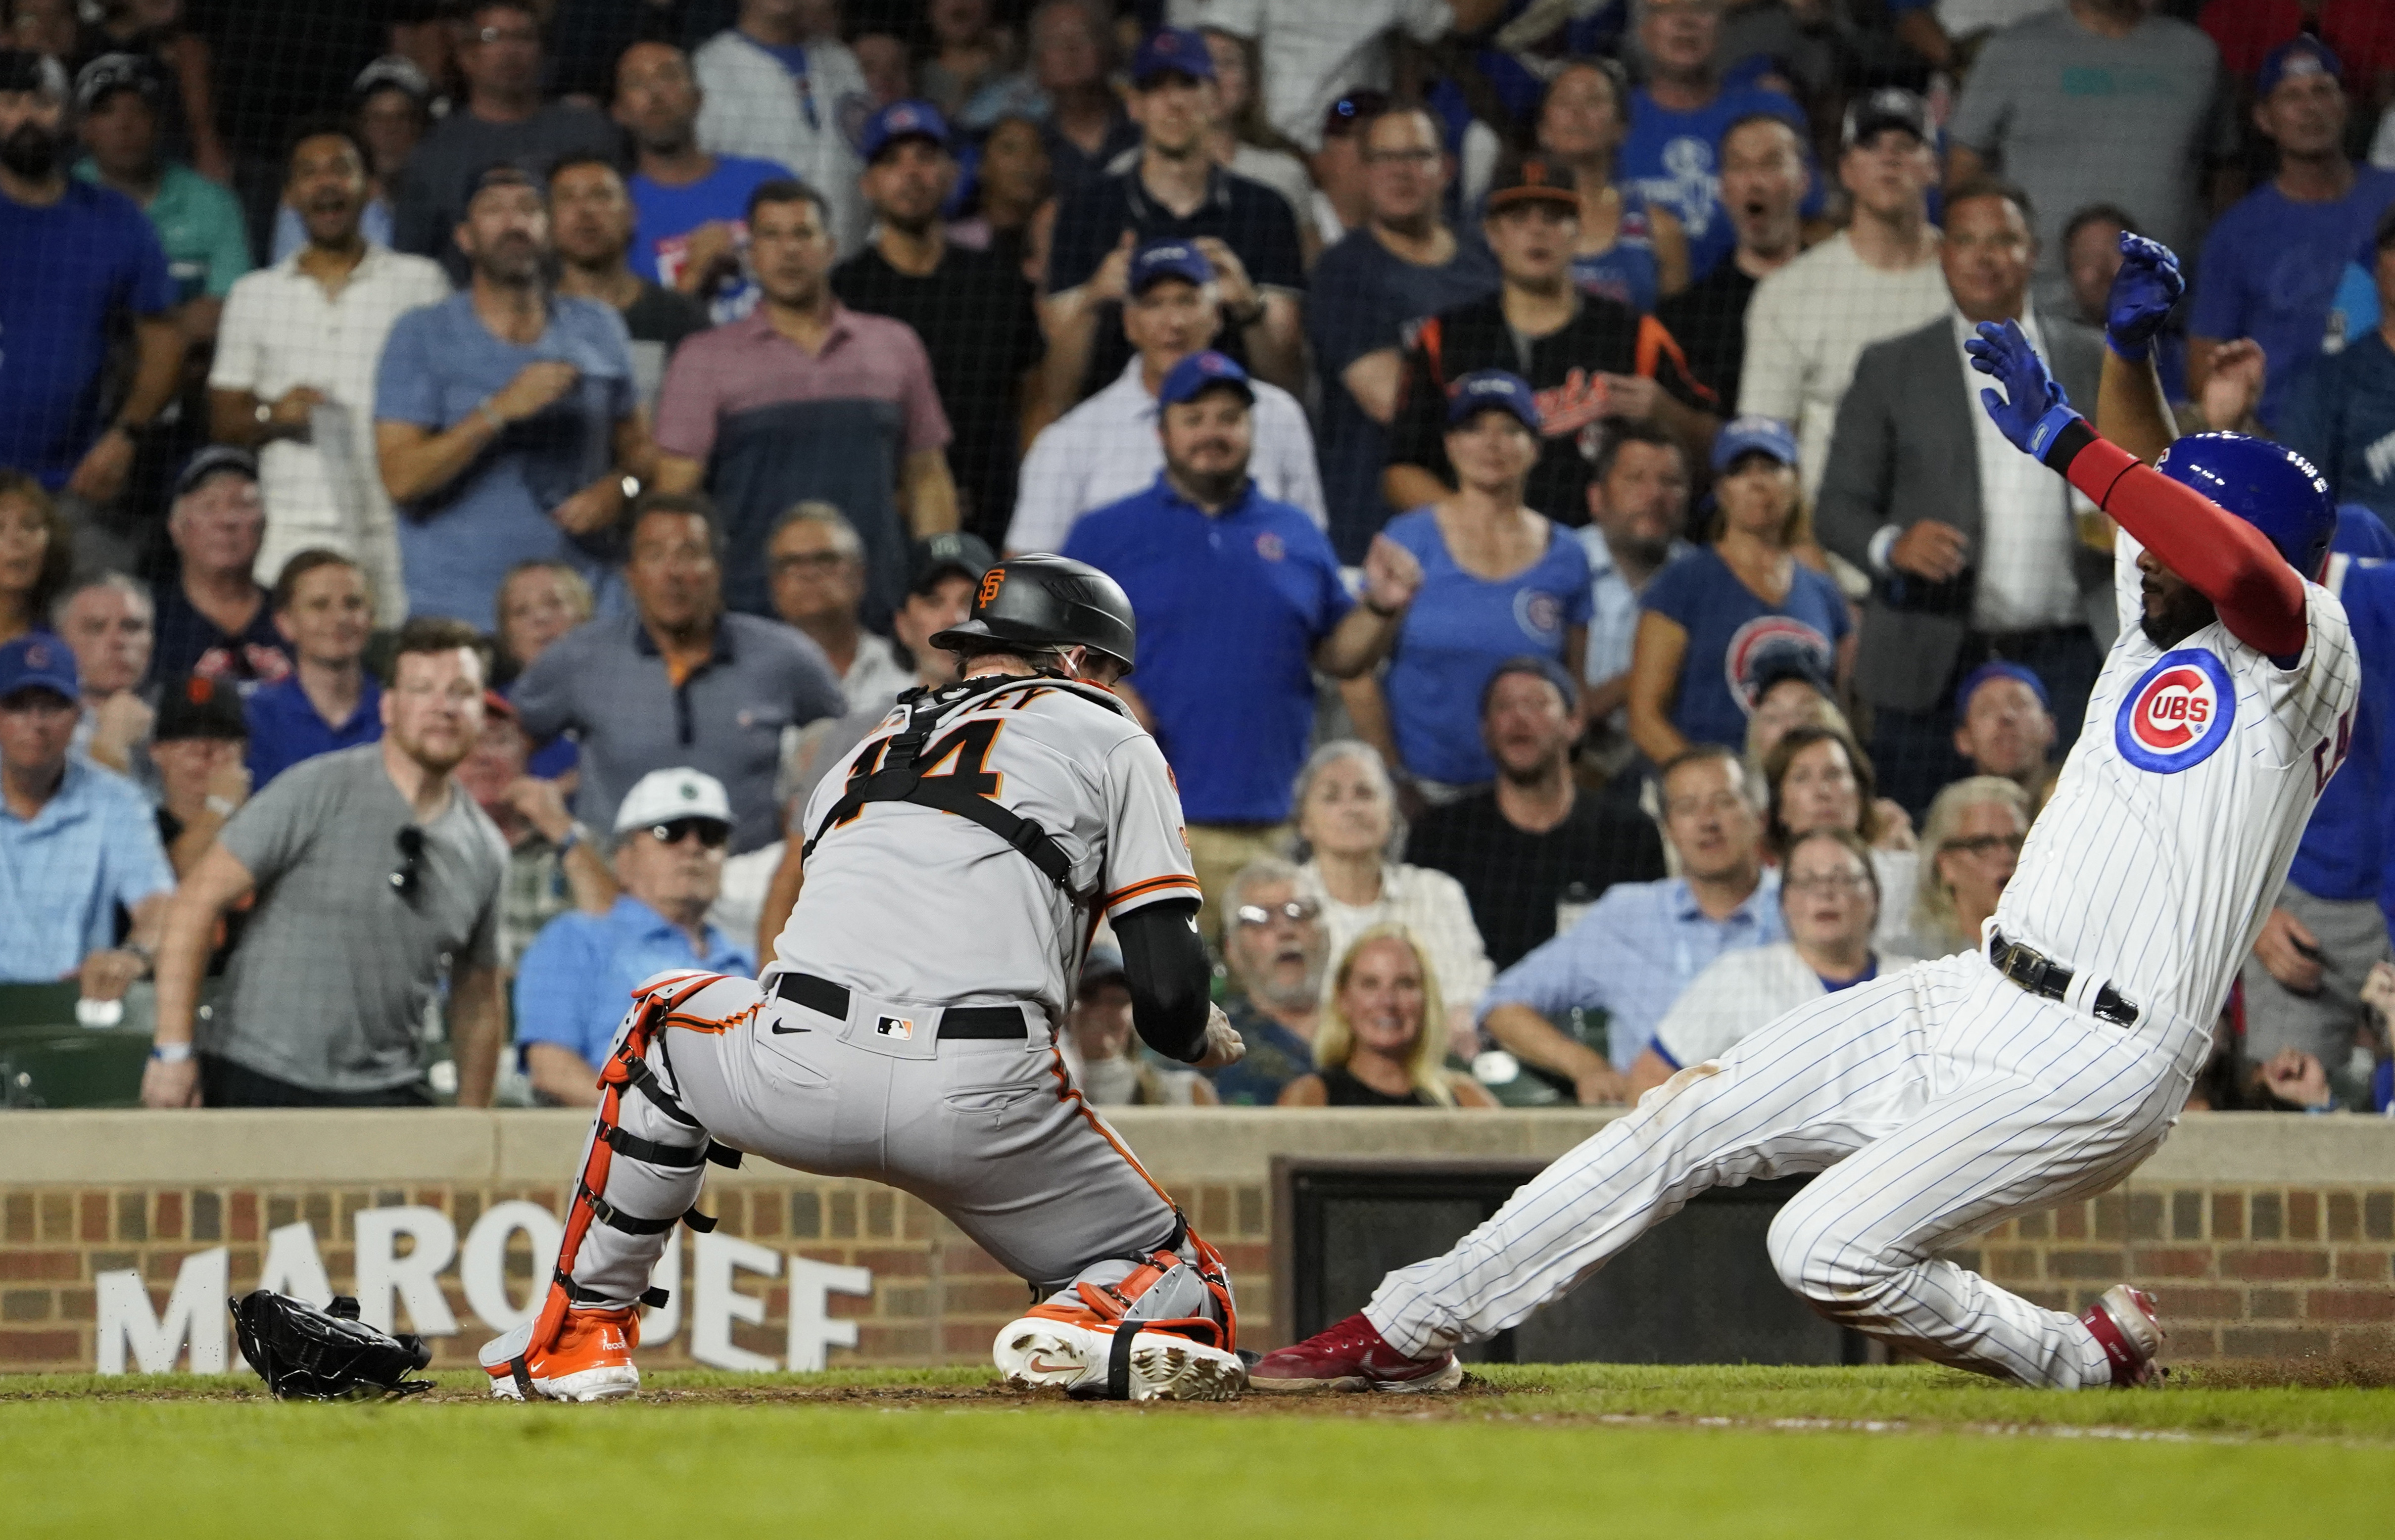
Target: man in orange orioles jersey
(905,1029)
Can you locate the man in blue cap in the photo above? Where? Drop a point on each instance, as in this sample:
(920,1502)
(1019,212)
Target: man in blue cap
(2003,724)
(1239,599)
(972,309)
(76,842)
(1107,447)
(2271,264)
(1175,192)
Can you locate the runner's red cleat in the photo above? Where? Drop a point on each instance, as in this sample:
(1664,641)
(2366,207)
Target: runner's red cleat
(2125,1325)
(1352,1356)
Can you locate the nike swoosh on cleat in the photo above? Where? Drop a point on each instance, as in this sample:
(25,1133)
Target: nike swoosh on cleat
(779,1029)
(1039,1365)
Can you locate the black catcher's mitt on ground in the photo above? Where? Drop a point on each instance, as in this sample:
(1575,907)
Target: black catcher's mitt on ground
(307,1354)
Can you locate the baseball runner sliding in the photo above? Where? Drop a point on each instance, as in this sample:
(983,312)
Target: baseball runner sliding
(1934,1104)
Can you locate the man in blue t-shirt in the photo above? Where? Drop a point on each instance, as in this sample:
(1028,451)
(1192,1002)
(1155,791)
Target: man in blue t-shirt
(2272,263)
(73,257)
(505,417)
(1370,290)
(691,229)
(2340,414)
(2303,983)
(1673,156)
(1239,599)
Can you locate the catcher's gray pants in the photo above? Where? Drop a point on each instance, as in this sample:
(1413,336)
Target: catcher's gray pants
(988,1132)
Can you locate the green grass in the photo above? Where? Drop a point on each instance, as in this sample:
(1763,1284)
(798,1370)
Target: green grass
(1581,1449)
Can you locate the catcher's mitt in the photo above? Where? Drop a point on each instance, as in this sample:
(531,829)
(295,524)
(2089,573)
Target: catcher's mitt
(307,1354)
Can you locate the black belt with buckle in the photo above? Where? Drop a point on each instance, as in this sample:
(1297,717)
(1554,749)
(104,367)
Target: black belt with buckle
(832,999)
(2041,975)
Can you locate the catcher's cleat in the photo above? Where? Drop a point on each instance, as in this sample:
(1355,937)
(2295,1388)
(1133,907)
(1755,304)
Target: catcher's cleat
(1091,1363)
(1352,1356)
(2126,1325)
(591,1359)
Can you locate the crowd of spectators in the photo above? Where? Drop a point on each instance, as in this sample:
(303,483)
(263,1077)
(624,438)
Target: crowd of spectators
(467,472)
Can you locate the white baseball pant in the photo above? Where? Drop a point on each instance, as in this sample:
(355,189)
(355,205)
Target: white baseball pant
(1937,1102)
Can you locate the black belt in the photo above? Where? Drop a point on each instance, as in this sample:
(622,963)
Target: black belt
(2041,975)
(832,999)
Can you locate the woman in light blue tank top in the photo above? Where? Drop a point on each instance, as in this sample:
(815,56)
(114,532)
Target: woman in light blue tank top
(1630,251)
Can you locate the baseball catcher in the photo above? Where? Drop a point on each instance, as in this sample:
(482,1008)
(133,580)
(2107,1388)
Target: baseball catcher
(954,868)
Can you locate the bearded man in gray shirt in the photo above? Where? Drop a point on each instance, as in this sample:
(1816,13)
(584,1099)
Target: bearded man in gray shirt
(373,875)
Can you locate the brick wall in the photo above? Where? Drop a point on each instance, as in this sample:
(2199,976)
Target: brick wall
(938,1298)
(2263,1236)
(2240,1272)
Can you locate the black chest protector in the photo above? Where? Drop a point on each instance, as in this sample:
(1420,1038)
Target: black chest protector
(896,772)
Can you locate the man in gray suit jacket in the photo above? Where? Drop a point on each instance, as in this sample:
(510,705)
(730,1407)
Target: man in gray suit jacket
(1970,559)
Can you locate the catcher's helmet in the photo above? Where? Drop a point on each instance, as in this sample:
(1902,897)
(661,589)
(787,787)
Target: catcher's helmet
(1048,601)
(2268,485)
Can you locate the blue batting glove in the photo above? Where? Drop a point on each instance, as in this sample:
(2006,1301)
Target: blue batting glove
(2033,409)
(2145,289)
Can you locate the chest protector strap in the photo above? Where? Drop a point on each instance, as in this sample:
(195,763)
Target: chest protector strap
(898,777)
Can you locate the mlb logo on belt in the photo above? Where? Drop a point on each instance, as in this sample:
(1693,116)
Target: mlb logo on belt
(898,1027)
(2177,713)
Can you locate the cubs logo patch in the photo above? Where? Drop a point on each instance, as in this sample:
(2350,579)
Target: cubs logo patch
(1270,547)
(2177,713)
(1540,615)
(1752,640)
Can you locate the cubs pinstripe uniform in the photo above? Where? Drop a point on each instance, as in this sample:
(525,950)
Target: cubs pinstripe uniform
(1937,1102)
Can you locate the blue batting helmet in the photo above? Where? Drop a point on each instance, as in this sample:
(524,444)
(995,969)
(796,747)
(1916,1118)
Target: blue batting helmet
(2268,485)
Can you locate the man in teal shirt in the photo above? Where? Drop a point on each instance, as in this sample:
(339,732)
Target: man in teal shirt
(198,222)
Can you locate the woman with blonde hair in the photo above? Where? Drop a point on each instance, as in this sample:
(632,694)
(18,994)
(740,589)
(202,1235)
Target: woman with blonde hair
(1970,843)
(1382,1041)
(1346,812)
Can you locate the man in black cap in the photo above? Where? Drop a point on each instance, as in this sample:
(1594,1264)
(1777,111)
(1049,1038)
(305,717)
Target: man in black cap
(1590,359)
(1809,322)
(971,308)
(1532,845)
(200,746)
(213,619)
(79,258)
(198,222)
(1175,191)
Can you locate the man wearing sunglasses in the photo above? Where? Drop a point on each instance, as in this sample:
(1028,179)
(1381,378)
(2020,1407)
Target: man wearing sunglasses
(374,874)
(576,976)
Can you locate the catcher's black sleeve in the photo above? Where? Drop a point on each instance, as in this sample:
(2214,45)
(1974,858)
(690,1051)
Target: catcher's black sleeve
(1170,979)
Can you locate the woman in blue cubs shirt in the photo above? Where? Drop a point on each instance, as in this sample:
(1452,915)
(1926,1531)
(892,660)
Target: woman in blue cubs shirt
(1629,249)
(1499,580)
(1705,617)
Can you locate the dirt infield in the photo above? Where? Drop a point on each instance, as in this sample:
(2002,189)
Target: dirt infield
(2349,1398)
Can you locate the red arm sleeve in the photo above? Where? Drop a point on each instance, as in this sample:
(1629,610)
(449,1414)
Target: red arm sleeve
(2227,559)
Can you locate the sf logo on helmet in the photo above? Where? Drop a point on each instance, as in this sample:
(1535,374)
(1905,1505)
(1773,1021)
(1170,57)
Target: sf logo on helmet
(990,583)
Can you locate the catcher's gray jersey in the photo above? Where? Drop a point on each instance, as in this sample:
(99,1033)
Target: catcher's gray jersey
(909,903)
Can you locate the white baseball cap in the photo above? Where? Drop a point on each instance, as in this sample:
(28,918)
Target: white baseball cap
(664,796)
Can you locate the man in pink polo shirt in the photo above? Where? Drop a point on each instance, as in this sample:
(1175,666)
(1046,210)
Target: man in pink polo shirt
(805,398)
